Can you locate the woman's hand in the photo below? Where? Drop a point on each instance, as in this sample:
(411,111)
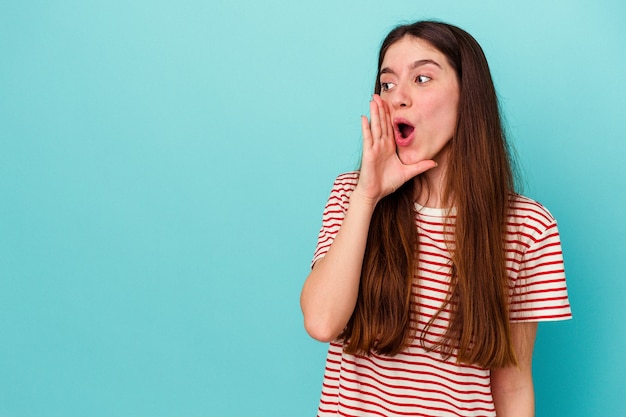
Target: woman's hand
(382,172)
(331,289)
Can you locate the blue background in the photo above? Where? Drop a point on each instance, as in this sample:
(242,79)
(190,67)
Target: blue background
(164,166)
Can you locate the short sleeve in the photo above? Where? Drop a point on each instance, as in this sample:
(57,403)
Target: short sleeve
(540,290)
(334,212)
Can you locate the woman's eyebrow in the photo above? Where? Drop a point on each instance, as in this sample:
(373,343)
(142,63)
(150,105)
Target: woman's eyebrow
(413,66)
(424,62)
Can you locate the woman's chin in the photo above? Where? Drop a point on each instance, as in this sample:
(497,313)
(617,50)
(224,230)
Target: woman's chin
(413,156)
(409,158)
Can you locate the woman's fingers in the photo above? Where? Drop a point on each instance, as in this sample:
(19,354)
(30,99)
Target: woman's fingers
(378,135)
(367,133)
(384,116)
(420,167)
(375,120)
(380,126)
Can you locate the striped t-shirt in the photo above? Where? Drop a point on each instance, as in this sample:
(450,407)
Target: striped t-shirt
(418,382)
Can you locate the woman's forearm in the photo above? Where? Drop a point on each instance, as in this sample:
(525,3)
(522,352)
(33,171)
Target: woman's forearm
(512,387)
(331,289)
(518,401)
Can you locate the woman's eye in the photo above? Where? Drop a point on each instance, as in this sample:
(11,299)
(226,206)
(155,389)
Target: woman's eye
(386,86)
(420,79)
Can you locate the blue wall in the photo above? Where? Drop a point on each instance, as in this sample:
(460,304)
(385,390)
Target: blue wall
(163,169)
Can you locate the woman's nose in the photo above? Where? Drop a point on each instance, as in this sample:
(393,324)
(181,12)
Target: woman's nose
(400,97)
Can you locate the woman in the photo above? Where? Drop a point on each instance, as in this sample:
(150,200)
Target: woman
(431,273)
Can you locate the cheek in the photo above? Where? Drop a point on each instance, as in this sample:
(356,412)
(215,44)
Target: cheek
(446,113)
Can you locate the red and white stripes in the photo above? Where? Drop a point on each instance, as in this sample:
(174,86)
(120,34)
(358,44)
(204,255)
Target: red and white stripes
(418,382)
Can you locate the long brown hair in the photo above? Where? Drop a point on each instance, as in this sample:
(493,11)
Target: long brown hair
(479,181)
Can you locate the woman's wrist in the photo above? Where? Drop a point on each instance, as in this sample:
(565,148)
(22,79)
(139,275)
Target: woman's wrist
(363,200)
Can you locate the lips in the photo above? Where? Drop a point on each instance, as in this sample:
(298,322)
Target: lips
(403,131)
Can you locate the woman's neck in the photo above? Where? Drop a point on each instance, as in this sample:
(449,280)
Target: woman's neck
(430,186)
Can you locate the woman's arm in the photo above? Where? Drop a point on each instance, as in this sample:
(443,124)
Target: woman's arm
(331,289)
(512,387)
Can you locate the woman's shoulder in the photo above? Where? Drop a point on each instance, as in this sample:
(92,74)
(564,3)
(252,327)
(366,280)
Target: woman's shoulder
(342,187)
(346,182)
(346,178)
(525,209)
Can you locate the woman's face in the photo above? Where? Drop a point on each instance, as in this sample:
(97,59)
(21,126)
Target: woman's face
(422,91)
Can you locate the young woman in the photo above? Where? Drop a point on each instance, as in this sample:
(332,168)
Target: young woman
(430,272)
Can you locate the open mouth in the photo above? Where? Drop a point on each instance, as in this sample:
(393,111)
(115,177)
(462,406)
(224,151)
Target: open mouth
(404,131)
